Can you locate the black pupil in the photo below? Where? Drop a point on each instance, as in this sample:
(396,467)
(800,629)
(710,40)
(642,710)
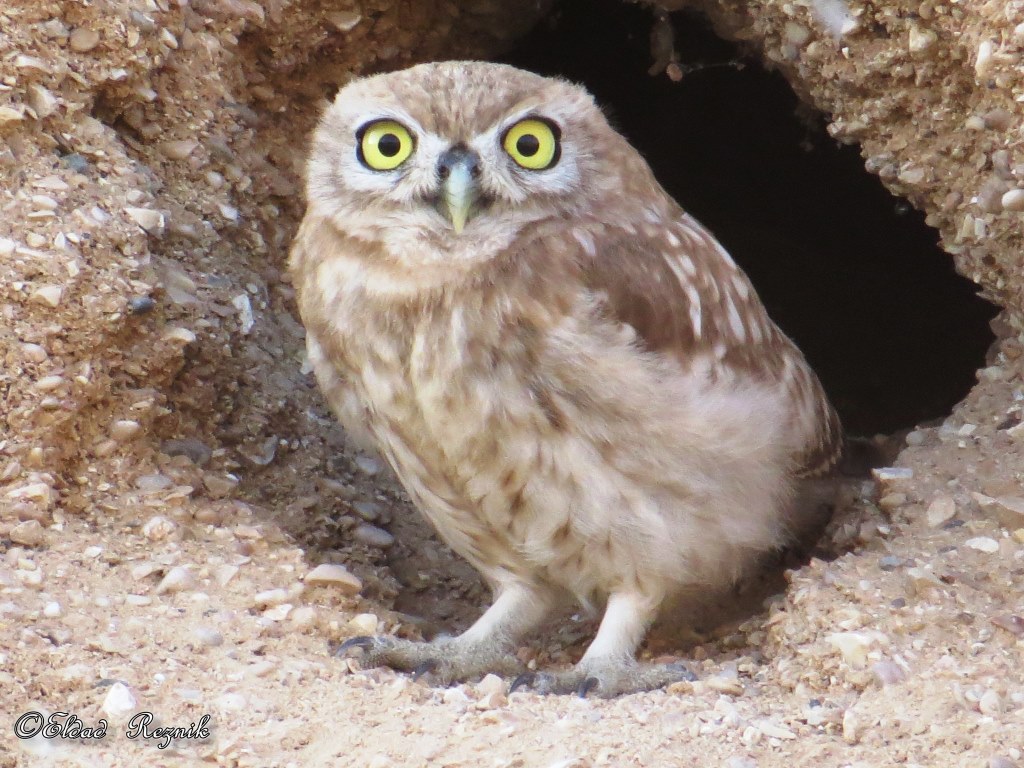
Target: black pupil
(389,145)
(527,145)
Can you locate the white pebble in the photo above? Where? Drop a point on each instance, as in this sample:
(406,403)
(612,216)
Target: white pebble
(270,597)
(83,39)
(983,64)
(491,683)
(303,617)
(278,612)
(851,727)
(853,646)
(372,536)
(335,575)
(49,295)
(124,429)
(28,533)
(52,609)
(49,383)
(893,473)
(941,509)
(152,222)
(983,544)
(921,39)
(1013,200)
(158,527)
(119,702)
(990,703)
(364,624)
(368,465)
(176,580)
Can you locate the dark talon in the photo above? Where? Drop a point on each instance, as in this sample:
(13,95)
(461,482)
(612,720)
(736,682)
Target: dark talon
(585,687)
(427,666)
(687,674)
(364,642)
(524,680)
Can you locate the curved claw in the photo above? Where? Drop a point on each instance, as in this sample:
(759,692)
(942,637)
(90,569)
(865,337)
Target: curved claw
(587,684)
(424,668)
(363,642)
(686,673)
(525,680)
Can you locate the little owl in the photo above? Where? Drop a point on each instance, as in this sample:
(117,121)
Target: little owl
(569,375)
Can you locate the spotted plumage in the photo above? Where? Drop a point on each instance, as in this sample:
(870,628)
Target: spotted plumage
(573,380)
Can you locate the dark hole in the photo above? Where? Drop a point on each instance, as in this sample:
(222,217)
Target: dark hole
(527,145)
(389,145)
(849,271)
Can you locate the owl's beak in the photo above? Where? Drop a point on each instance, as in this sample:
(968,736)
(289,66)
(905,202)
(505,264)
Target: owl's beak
(459,169)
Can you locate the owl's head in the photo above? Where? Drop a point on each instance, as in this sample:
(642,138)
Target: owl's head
(453,160)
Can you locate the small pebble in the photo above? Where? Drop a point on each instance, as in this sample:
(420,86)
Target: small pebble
(990,703)
(84,39)
(730,686)
(177,579)
(364,624)
(368,510)
(335,575)
(941,509)
(153,222)
(372,536)
(892,473)
(303,617)
(52,609)
(853,646)
(983,544)
(369,465)
(224,573)
(158,527)
(278,612)
(125,429)
(178,150)
(1013,200)
(28,533)
(1008,511)
(119,702)
(48,295)
(851,727)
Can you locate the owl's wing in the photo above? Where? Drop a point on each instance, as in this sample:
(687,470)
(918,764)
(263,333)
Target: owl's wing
(685,297)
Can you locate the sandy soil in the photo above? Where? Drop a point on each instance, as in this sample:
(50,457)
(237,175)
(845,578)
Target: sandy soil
(170,480)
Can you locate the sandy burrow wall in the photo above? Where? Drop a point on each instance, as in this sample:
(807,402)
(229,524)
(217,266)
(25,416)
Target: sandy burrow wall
(150,182)
(932,91)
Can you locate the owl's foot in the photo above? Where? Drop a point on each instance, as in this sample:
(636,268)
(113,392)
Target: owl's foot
(441,661)
(606,678)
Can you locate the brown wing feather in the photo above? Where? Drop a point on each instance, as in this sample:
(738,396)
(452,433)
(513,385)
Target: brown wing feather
(684,296)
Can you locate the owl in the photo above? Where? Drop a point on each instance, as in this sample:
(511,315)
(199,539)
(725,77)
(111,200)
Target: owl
(572,379)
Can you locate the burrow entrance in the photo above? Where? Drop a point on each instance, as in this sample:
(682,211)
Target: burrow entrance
(850,272)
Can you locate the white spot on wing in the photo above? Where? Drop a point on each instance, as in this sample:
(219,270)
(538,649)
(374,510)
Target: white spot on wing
(585,239)
(735,321)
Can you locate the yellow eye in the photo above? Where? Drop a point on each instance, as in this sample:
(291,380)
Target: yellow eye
(384,145)
(533,143)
